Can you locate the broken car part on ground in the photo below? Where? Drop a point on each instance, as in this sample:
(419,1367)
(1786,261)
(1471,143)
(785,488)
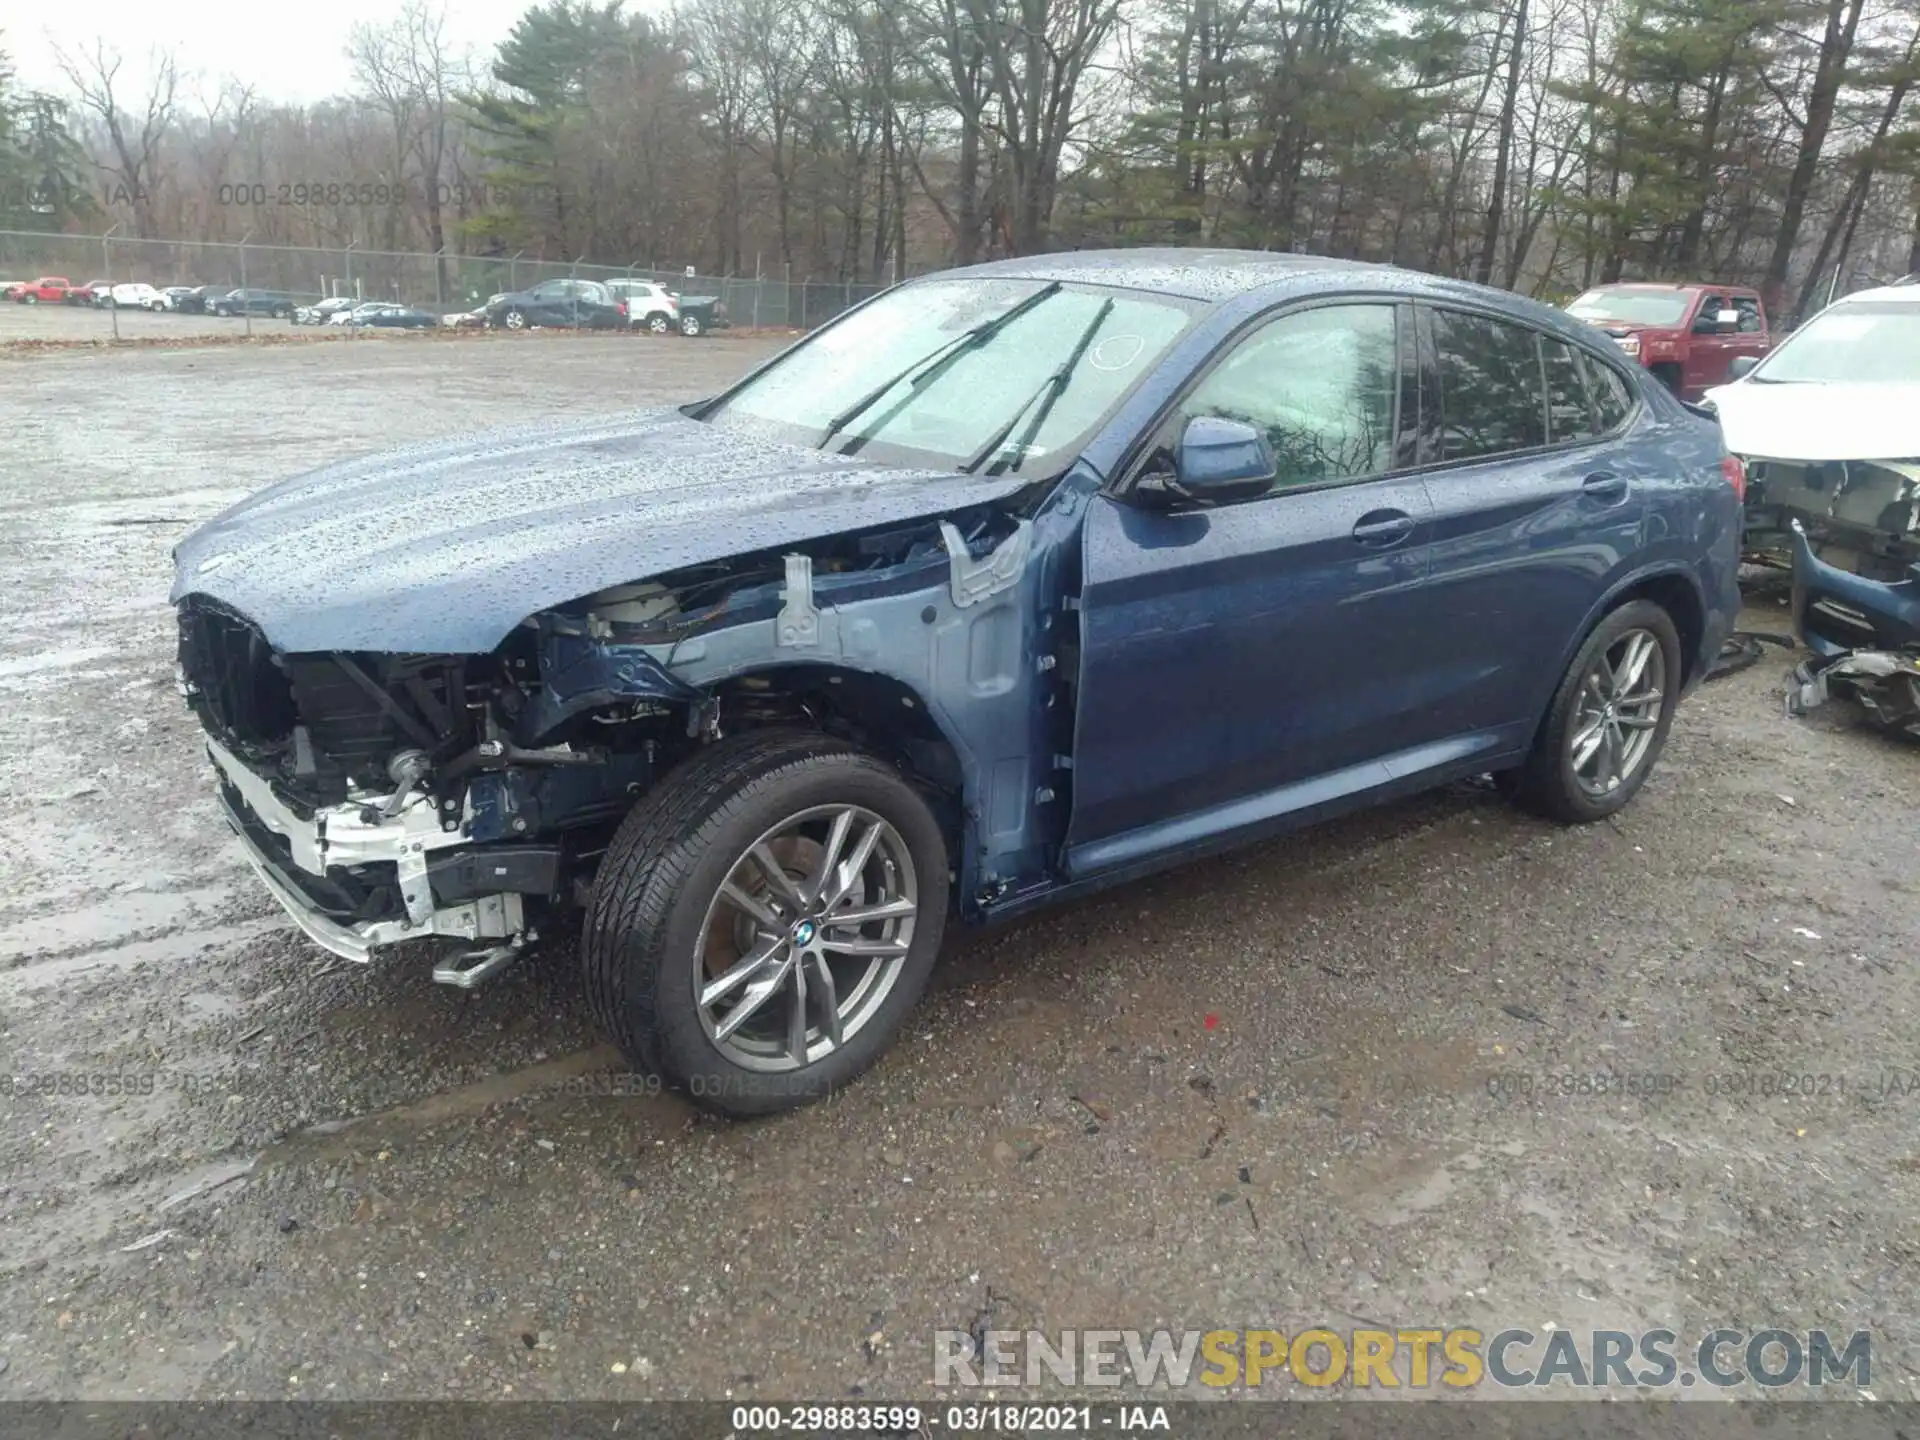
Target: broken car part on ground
(1010,584)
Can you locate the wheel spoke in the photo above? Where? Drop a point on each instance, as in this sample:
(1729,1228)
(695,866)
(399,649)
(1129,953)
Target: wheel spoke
(1638,722)
(865,914)
(1587,742)
(1612,747)
(1634,663)
(860,945)
(740,900)
(797,1017)
(829,998)
(830,853)
(741,972)
(772,979)
(777,876)
(853,867)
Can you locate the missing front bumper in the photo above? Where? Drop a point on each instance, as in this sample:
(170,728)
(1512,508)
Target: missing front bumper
(304,853)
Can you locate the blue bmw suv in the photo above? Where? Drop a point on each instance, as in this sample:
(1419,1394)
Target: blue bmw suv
(1012,583)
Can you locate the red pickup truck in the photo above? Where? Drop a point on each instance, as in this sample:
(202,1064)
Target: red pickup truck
(48,289)
(1687,335)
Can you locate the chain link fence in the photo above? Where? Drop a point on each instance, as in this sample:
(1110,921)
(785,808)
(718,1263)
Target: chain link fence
(443,283)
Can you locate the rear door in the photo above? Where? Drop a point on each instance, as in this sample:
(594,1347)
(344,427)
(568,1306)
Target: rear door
(1532,508)
(1234,654)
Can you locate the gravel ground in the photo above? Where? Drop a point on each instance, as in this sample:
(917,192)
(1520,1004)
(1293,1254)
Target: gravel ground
(1277,1089)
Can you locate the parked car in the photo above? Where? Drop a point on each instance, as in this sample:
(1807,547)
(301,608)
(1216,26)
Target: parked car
(176,295)
(133,296)
(199,299)
(91,293)
(584,303)
(274,303)
(1687,335)
(700,313)
(466,320)
(350,314)
(395,317)
(1006,585)
(1829,427)
(650,305)
(323,310)
(47,290)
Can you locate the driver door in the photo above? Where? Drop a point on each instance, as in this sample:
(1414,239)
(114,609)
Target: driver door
(1251,659)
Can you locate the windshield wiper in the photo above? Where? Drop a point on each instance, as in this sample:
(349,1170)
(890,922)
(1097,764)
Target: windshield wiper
(924,372)
(1050,390)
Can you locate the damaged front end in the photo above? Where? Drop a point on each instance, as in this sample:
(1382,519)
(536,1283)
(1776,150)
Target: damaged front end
(1865,639)
(1863,515)
(388,797)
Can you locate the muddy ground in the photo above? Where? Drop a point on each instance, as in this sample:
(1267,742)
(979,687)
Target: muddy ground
(365,1185)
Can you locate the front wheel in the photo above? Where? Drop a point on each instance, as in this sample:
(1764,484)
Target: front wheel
(764,920)
(29,299)
(515,320)
(1609,718)
(690,326)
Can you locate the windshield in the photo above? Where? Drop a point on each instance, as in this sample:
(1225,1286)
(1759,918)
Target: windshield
(1865,343)
(932,396)
(1635,307)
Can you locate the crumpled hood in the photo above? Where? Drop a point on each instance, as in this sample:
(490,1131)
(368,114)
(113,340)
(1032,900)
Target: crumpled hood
(1819,422)
(444,548)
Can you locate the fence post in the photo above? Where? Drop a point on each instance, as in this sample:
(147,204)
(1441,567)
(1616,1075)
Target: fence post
(440,278)
(573,291)
(355,294)
(246,300)
(513,272)
(106,271)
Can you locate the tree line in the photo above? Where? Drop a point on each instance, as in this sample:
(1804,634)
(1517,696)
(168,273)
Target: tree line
(1540,145)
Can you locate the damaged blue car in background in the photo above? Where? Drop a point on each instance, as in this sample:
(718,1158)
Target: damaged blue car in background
(1010,584)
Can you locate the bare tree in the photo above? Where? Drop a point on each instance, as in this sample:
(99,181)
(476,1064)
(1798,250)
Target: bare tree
(134,129)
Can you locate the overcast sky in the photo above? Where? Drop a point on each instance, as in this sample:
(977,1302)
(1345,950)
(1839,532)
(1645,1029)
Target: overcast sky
(286,51)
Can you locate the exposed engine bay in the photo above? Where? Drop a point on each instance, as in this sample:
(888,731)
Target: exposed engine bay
(384,797)
(1861,515)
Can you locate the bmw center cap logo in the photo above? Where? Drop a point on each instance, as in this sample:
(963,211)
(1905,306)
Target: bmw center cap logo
(803,933)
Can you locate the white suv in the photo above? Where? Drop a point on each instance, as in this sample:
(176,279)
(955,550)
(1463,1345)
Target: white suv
(650,306)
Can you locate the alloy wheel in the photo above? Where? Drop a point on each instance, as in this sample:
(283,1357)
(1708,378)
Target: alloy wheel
(806,937)
(1617,713)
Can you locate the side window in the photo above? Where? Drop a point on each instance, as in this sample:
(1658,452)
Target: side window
(1320,384)
(1705,318)
(1612,400)
(548,289)
(1749,309)
(1492,394)
(1569,416)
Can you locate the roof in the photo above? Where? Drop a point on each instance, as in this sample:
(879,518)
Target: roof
(1895,294)
(1677,286)
(1197,274)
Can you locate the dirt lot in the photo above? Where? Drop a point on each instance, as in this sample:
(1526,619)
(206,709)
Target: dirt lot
(1279,1089)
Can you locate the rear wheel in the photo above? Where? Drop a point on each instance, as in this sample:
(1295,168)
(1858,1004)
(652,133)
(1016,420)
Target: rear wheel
(1609,718)
(765,919)
(658,323)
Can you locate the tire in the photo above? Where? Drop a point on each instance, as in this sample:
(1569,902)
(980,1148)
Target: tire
(1551,783)
(657,912)
(514,320)
(29,299)
(692,327)
(659,322)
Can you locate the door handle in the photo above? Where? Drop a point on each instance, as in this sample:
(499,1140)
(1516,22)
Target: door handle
(1379,529)
(1605,485)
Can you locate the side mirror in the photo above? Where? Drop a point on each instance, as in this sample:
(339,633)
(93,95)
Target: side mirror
(1219,460)
(1741,366)
(1727,321)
